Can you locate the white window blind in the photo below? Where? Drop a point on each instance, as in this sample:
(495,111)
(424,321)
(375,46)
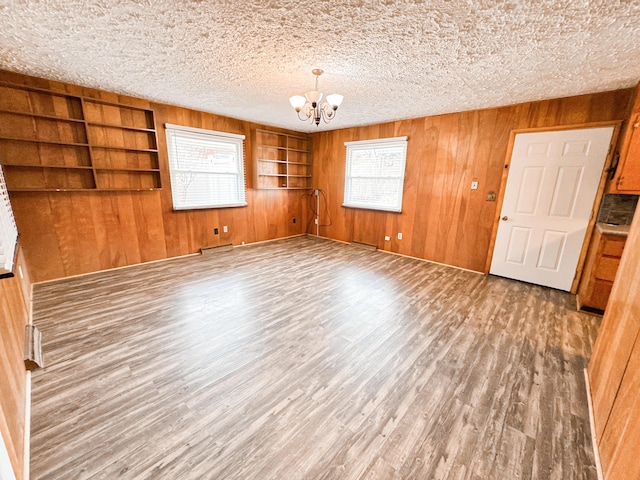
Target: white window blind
(374,177)
(206,168)
(8,230)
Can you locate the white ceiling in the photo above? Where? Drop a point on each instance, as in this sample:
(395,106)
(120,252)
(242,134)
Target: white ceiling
(390,59)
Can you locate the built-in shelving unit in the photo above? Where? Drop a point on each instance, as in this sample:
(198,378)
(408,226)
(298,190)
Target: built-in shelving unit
(281,161)
(54,141)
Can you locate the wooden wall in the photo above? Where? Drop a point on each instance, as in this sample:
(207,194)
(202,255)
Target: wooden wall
(66,234)
(443,220)
(614,370)
(15,295)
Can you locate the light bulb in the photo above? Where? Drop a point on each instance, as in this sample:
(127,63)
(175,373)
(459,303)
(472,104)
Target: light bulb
(334,100)
(297,102)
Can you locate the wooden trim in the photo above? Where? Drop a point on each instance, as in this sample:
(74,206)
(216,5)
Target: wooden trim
(599,194)
(592,425)
(27,424)
(577,126)
(596,206)
(500,201)
(80,275)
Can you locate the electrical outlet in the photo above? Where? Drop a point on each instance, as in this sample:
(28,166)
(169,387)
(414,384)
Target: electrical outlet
(225,229)
(474,185)
(399,236)
(215,231)
(316,220)
(387,238)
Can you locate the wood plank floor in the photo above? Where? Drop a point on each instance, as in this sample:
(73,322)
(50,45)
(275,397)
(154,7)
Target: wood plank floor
(309,359)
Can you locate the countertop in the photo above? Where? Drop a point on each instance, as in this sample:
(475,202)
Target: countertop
(613,229)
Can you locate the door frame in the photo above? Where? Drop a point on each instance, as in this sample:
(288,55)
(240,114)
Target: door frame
(616,124)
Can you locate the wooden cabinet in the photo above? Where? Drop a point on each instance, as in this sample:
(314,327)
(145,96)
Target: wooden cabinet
(627,178)
(602,265)
(281,161)
(54,141)
(614,370)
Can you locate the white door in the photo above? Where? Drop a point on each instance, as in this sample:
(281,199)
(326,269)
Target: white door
(551,187)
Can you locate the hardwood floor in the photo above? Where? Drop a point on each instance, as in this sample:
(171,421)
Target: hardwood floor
(309,359)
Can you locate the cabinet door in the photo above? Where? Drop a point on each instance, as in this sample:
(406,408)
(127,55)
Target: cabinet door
(621,437)
(629,177)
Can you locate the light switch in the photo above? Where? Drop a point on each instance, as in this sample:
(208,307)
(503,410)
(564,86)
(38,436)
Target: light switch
(474,185)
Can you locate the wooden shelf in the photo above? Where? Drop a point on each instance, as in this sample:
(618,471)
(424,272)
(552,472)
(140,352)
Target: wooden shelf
(286,188)
(121,127)
(50,142)
(102,163)
(277,160)
(128,149)
(40,115)
(284,148)
(65,167)
(115,104)
(151,189)
(284,162)
(122,169)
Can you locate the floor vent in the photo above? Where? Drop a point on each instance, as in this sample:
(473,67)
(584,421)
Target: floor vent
(227,247)
(33,358)
(364,246)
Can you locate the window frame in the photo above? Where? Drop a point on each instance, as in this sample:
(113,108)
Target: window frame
(8,231)
(237,140)
(368,144)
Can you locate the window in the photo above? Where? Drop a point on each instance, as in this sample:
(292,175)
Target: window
(374,176)
(8,230)
(206,168)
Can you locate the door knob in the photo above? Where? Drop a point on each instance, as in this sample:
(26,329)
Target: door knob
(505,218)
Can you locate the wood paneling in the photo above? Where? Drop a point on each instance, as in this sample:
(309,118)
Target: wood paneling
(620,445)
(614,370)
(627,178)
(443,219)
(600,269)
(73,233)
(14,314)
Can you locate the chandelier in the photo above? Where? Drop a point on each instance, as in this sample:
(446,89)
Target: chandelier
(309,107)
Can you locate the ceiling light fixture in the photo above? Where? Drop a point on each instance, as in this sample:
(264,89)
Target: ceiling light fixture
(309,107)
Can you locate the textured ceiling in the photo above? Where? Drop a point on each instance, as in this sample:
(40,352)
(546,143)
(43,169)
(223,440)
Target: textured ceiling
(390,59)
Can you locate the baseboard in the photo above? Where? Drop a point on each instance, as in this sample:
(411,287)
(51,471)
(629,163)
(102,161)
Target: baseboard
(430,261)
(27,429)
(80,275)
(364,246)
(592,424)
(313,236)
(97,272)
(271,240)
(227,247)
